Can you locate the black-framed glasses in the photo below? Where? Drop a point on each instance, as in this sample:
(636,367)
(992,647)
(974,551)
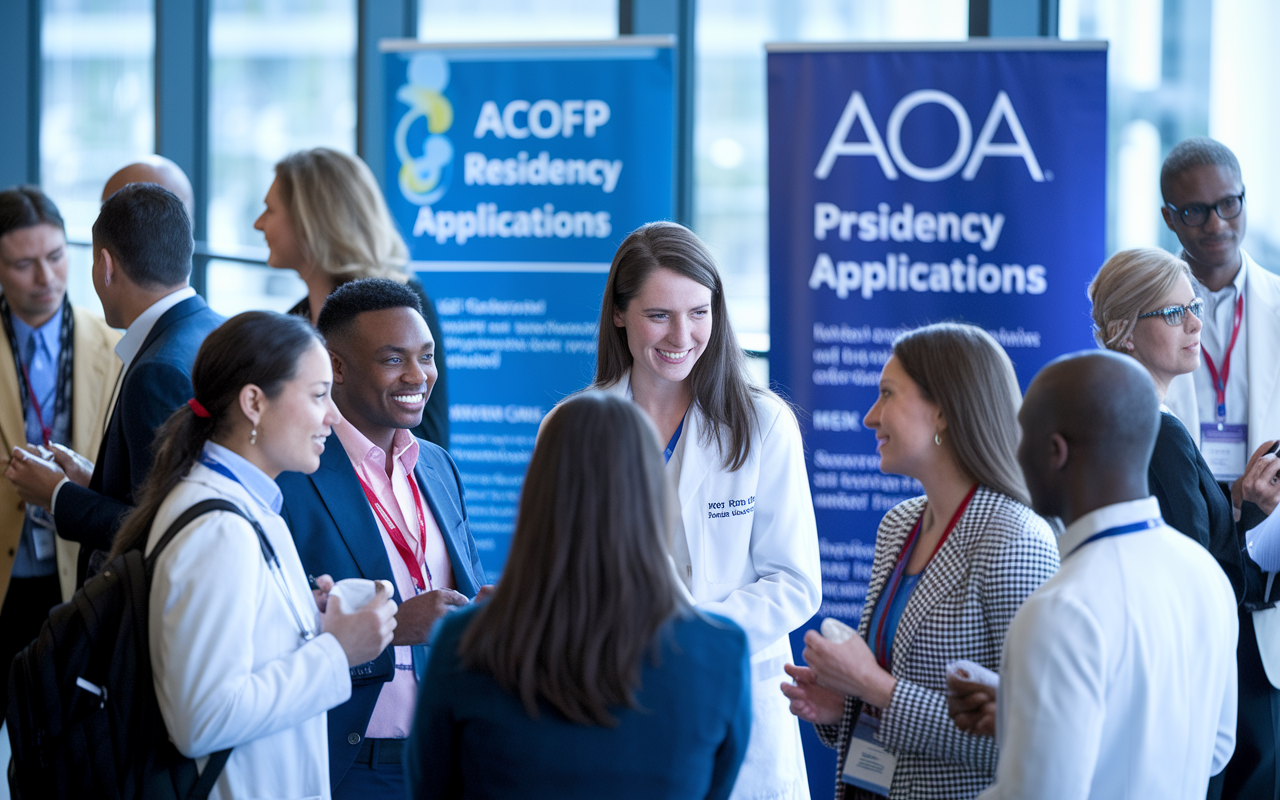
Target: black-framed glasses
(1174,315)
(1196,214)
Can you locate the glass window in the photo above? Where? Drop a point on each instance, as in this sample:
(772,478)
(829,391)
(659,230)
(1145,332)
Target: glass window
(503,20)
(97,110)
(1242,64)
(282,78)
(730,148)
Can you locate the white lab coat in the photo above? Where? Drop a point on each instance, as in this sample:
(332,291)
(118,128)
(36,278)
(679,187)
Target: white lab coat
(758,567)
(230,666)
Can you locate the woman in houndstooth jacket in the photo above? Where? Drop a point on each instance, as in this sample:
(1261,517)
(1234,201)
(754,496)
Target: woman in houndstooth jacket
(950,569)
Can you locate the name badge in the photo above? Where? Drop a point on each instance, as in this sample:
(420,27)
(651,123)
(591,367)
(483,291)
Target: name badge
(1225,449)
(867,765)
(42,533)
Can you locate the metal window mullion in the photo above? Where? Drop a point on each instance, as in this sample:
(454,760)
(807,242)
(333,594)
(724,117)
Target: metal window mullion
(181,74)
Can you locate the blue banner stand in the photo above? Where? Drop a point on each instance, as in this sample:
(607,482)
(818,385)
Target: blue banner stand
(911,184)
(514,171)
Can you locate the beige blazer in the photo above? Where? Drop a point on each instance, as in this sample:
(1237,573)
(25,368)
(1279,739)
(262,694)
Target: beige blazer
(94,369)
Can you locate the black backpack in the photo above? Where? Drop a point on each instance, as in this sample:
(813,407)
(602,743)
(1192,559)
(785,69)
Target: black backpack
(83,717)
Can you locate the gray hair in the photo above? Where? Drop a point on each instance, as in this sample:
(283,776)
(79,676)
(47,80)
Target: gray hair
(1198,151)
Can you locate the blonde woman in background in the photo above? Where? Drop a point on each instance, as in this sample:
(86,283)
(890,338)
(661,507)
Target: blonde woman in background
(950,568)
(327,220)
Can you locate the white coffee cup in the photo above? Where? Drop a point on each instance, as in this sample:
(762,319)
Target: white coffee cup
(356,593)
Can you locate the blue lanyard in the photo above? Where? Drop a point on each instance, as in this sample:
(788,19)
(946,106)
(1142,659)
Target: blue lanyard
(220,468)
(1120,530)
(675,438)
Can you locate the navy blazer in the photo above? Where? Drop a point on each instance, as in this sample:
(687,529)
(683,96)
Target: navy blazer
(156,384)
(336,534)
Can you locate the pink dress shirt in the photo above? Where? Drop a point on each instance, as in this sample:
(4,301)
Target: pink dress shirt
(393,715)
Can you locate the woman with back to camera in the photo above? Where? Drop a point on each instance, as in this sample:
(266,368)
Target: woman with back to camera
(240,656)
(327,220)
(950,568)
(745,543)
(586,675)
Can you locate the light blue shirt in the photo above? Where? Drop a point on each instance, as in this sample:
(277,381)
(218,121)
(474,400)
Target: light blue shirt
(1263,542)
(261,488)
(42,368)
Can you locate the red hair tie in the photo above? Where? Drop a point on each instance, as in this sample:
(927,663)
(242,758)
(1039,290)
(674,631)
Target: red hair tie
(198,409)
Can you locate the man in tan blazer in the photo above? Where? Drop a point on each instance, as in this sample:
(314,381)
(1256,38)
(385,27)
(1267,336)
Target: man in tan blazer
(36,406)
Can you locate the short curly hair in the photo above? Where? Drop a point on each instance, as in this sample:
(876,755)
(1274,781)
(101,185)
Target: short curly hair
(354,298)
(1198,151)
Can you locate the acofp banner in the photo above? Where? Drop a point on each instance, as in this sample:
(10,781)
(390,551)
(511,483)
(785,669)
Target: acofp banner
(909,185)
(514,172)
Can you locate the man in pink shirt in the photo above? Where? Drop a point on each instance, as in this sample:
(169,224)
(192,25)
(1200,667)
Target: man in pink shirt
(383,505)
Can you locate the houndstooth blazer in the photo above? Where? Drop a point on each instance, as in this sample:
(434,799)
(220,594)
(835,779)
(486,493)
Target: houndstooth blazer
(997,555)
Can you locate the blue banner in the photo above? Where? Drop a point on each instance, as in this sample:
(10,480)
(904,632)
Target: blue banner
(515,171)
(908,186)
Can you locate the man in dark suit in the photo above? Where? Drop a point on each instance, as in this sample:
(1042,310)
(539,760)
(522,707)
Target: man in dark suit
(141,263)
(383,505)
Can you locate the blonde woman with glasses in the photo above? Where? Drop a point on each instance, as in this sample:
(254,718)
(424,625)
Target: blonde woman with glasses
(951,568)
(1144,306)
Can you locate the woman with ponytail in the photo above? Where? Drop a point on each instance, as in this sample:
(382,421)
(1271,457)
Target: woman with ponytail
(241,656)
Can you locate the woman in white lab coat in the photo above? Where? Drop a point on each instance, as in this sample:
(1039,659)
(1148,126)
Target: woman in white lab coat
(746,543)
(241,656)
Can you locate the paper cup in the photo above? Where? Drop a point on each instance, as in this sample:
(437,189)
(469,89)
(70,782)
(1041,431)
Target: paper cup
(356,593)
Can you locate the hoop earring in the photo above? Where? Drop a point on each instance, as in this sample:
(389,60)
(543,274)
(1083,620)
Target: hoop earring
(253,436)
(937,439)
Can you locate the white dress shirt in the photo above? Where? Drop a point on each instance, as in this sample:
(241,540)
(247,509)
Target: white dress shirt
(1219,319)
(1118,675)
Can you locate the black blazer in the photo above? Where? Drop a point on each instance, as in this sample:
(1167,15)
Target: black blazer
(336,533)
(1191,500)
(157,383)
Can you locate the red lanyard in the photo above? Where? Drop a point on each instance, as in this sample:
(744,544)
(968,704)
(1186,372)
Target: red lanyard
(895,580)
(1220,381)
(415,565)
(45,430)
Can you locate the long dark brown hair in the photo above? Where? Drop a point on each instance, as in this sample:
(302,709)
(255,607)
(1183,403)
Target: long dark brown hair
(588,583)
(968,375)
(718,379)
(235,355)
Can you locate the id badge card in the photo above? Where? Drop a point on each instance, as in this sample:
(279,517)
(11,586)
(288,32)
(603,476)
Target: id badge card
(867,764)
(42,533)
(1225,449)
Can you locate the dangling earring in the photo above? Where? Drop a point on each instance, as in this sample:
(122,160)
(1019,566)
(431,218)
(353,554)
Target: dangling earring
(937,439)
(253,436)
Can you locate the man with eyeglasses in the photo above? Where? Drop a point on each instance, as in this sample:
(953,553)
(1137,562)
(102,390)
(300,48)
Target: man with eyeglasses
(1234,396)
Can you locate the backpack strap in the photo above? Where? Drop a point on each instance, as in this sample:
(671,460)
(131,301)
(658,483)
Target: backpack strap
(213,768)
(198,510)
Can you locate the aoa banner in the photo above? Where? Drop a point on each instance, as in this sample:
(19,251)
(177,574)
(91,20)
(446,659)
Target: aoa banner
(911,184)
(514,172)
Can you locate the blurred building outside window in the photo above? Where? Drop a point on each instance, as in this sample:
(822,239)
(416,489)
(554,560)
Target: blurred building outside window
(97,111)
(282,78)
(730,195)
